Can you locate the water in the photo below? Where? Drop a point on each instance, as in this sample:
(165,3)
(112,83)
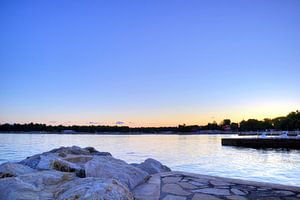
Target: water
(193,153)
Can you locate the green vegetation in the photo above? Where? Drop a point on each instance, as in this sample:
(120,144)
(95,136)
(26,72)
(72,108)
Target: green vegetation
(289,122)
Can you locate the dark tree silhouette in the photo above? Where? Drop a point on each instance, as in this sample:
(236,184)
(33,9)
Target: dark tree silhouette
(289,122)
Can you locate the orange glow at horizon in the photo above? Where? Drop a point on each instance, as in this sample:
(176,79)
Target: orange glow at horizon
(169,119)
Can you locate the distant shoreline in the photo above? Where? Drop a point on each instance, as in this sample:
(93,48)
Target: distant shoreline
(204,132)
(122,133)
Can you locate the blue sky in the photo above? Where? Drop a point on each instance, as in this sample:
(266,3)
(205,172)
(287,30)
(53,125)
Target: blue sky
(148,63)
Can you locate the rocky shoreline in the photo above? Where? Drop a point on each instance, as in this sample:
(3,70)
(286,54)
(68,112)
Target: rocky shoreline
(85,173)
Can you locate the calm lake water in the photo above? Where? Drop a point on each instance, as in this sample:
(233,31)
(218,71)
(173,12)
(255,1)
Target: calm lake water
(193,153)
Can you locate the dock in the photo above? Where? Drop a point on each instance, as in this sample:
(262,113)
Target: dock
(259,142)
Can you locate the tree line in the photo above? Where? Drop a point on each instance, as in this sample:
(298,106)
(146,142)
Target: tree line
(289,122)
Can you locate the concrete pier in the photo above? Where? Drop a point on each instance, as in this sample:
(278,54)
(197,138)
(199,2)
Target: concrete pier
(286,143)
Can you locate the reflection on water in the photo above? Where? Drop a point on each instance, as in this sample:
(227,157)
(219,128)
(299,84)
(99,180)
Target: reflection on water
(194,153)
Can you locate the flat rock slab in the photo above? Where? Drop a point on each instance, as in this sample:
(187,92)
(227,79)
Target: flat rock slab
(220,183)
(237,191)
(204,196)
(187,186)
(236,197)
(173,197)
(149,190)
(171,179)
(173,188)
(214,191)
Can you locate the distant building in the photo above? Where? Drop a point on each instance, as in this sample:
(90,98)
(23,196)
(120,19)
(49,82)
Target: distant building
(68,131)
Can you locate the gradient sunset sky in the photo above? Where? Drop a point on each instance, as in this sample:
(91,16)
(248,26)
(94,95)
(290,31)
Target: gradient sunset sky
(148,63)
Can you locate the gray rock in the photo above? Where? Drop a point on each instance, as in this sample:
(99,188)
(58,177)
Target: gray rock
(52,161)
(52,184)
(31,161)
(54,175)
(237,191)
(284,192)
(204,197)
(46,178)
(94,188)
(236,197)
(109,167)
(152,166)
(78,159)
(75,150)
(60,154)
(38,185)
(173,197)
(148,190)
(198,184)
(14,169)
(47,161)
(213,191)
(186,185)
(220,183)
(65,159)
(93,151)
(263,189)
(71,150)
(13,188)
(291,198)
(171,179)
(174,189)
(199,180)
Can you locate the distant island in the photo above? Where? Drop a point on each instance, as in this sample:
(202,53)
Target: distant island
(291,122)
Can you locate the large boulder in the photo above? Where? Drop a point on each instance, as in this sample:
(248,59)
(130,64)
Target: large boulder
(13,188)
(38,185)
(75,150)
(9,169)
(109,167)
(65,159)
(46,178)
(63,153)
(152,166)
(94,188)
(50,184)
(52,161)
(31,161)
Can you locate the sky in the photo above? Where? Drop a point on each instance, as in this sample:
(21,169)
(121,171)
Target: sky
(148,63)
